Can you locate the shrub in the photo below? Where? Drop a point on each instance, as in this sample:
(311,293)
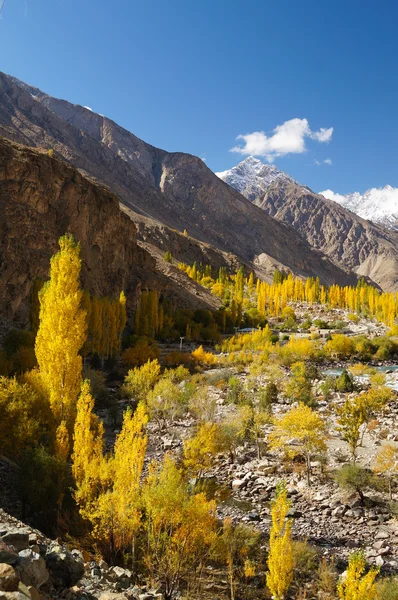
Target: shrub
(344,382)
(206,358)
(305,560)
(268,396)
(355,478)
(144,350)
(176,358)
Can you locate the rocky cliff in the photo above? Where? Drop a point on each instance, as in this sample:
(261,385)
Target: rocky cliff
(41,198)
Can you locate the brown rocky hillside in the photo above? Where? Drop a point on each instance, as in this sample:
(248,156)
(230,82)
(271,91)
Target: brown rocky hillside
(41,198)
(159,189)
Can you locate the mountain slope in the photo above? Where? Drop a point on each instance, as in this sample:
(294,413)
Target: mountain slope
(352,242)
(162,189)
(41,198)
(379,205)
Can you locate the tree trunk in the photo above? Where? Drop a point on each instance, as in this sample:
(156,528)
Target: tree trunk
(308,461)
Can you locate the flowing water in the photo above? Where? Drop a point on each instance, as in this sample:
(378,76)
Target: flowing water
(391,374)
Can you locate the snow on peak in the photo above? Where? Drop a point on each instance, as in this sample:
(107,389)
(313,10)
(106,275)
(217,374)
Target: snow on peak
(379,205)
(251,177)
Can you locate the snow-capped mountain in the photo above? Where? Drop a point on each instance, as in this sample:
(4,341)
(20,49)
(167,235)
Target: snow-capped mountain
(251,177)
(379,205)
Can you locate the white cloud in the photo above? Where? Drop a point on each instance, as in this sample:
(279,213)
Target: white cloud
(330,195)
(323,135)
(288,138)
(327,161)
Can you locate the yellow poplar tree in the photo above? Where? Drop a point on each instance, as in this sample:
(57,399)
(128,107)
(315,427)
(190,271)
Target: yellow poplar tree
(129,454)
(300,431)
(62,332)
(280,557)
(355,584)
(87,452)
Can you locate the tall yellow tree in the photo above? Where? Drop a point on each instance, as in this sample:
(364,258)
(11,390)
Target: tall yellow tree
(280,557)
(355,584)
(62,332)
(179,526)
(129,455)
(87,452)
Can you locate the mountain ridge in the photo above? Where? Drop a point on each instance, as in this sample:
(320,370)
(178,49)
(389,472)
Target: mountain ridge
(369,249)
(164,190)
(379,205)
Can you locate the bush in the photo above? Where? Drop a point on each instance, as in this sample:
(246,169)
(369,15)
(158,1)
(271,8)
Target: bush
(144,350)
(43,480)
(344,382)
(25,417)
(268,396)
(387,589)
(305,560)
(206,358)
(355,478)
(236,393)
(176,358)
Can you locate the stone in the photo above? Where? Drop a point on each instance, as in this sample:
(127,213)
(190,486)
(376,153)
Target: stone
(17,538)
(34,593)
(238,484)
(64,569)
(32,568)
(7,554)
(379,561)
(9,580)
(253,516)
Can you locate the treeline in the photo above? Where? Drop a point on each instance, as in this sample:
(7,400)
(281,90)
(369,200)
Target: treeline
(256,299)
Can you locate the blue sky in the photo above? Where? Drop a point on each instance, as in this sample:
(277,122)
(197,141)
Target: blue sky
(192,76)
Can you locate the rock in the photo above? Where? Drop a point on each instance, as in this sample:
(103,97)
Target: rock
(34,594)
(238,484)
(119,572)
(32,569)
(379,561)
(339,511)
(379,544)
(8,578)
(17,538)
(7,554)
(253,516)
(64,569)
(382,535)
(112,596)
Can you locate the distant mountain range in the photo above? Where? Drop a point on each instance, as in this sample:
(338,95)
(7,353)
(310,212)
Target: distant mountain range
(379,205)
(370,249)
(252,177)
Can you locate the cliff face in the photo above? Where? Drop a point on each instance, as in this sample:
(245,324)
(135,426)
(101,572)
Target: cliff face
(41,198)
(173,190)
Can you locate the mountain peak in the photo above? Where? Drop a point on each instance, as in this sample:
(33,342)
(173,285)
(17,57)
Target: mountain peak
(379,205)
(251,177)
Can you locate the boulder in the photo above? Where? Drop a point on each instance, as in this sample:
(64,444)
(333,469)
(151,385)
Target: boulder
(8,578)
(65,571)
(17,538)
(7,554)
(32,569)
